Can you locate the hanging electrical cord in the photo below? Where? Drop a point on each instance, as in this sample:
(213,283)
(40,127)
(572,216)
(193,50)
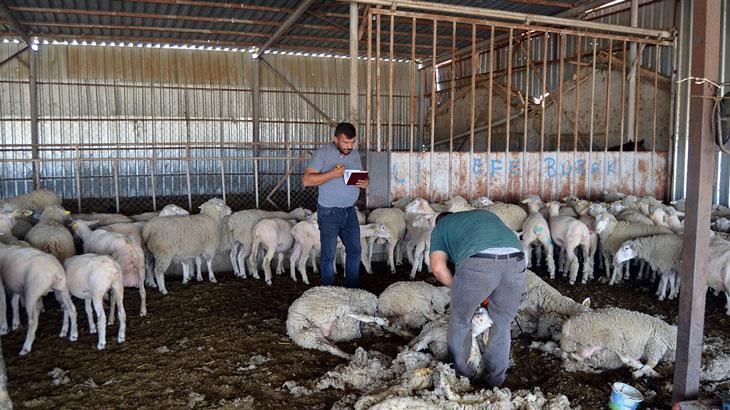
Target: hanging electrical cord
(720,112)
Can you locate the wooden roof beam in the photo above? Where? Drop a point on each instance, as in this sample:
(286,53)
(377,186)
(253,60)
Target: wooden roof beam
(7,14)
(286,25)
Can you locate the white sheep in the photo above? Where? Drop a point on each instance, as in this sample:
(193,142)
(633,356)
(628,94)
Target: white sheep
(663,253)
(418,242)
(634,216)
(721,224)
(321,317)
(7,223)
(102,219)
(90,277)
(536,229)
(434,337)
(50,234)
(185,237)
(544,309)
(718,277)
(611,195)
(241,226)
(275,237)
(126,253)
(30,273)
(612,337)
(34,201)
(614,233)
(511,215)
(570,233)
(394,220)
(407,306)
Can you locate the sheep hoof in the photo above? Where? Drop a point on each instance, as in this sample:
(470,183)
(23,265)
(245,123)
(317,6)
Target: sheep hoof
(143,313)
(3,330)
(24,352)
(74,337)
(199,279)
(16,326)
(63,333)
(212,280)
(93,330)
(120,339)
(100,346)
(306,282)
(268,282)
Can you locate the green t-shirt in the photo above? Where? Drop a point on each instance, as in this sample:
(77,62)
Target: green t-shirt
(464,234)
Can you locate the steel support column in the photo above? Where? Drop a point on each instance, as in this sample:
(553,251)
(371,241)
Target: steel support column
(631,120)
(705,55)
(33,80)
(354,117)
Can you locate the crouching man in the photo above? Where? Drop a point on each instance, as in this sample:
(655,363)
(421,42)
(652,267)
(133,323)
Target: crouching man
(490,264)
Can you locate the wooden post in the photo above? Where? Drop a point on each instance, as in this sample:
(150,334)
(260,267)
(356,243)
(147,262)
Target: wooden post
(705,55)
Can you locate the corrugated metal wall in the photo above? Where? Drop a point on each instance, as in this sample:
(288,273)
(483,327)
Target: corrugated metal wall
(681,115)
(152,107)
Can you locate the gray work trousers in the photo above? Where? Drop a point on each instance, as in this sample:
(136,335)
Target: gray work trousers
(502,281)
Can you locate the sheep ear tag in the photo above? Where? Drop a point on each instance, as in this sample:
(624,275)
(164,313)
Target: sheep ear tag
(67,212)
(587,302)
(27,213)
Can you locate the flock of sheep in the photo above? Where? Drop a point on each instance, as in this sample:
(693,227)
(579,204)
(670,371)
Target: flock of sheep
(39,242)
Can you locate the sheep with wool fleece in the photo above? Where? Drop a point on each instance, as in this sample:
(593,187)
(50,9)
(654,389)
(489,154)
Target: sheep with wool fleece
(614,233)
(570,233)
(634,216)
(102,219)
(7,223)
(394,220)
(241,226)
(50,234)
(321,316)
(30,273)
(90,277)
(536,229)
(543,309)
(511,215)
(610,338)
(718,277)
(663,253)
(185,237)
(34,201)
(123,250)
(275,237)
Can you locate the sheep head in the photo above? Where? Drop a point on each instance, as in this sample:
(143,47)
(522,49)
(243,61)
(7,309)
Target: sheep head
(482,202)
(54,213)
(301,214)
(440,299)
(172,210)
(215,208)
(602,221)
(626,252)
(419,206)
(78,223)
(596,209)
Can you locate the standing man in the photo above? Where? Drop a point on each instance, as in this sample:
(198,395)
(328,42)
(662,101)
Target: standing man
(336,214)
(490,264)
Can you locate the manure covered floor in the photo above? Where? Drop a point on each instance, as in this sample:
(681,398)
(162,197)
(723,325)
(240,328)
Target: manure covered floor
(224,345)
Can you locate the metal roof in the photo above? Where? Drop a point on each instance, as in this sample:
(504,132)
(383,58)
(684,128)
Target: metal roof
(322,28)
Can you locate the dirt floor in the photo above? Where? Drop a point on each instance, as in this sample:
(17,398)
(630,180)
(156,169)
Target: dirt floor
(224,345)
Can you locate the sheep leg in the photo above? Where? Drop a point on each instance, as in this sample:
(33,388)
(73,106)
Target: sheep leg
(303,263)
(63,296)
(185,272)
(587,260)
(241,262)
(325,345)
(279,263)
(371,243)
(90,316)
(364,256)
(391,251)
(296,253)
(727,303)
(199,270)
(209,264)
(313,259)
(101,321)
(161,265)
(33,312)
(15,304)
(573,265)
(662,288)
(149,268)
(549,258)
(399,253)
(252,259)
(3,311)
(112,309)
(118,299)
(527,247)
(270,251)
(672,285)
(416,264)
(232,256)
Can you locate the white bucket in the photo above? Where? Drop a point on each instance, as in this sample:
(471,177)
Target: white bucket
(624,397)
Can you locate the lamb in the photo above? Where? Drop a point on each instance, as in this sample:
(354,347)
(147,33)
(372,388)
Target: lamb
(394,220)
(544,309)
(434,337)
(90,277)
(30,273)
(407,306)
(185,237)
(663,253)
(612,337)
(50,234)
(721,224)
(275,236)
(536,229)
(321,317)
(569,233)
(122,249)
(241,226)
(34,201)
(418,243)
(613,233)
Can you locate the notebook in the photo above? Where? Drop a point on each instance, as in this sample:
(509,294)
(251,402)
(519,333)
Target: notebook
(352,176)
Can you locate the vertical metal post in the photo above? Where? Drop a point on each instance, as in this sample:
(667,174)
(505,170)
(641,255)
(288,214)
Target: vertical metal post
(608,114)
(256,179)
(354,35)
(507,117)
(154,186)
(223,180)
(489,110)
(452,97)
(33,80)
(412,110)
(593,105)
(78,179)
(632,75)
(434,79)
(705,48)
(543,99)
(256,114)
(556,184)
(576,121)
(369,88)
(474,68)
(187,178)
(524,125)
(623,117)
(378,108)
(115,175)
(390,84)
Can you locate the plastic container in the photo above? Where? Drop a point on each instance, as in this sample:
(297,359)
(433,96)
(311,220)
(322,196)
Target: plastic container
(624,397)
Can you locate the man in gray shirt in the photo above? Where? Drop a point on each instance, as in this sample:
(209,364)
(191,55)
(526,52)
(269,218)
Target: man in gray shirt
(336,214)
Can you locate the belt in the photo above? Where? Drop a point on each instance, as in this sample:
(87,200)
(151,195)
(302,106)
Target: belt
(498,257)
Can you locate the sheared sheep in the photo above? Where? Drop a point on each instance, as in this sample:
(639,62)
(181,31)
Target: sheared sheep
(126,253)
(275,237)
(102,219)
(30,273)
(663,253)
(7,223)
(50,234)
(90,277)
(536,229)
(394,220)
(570,233)
(321,317)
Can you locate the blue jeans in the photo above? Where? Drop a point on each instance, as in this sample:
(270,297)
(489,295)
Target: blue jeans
(342,222)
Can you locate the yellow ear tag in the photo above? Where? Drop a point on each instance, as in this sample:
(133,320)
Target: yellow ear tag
(67,212)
